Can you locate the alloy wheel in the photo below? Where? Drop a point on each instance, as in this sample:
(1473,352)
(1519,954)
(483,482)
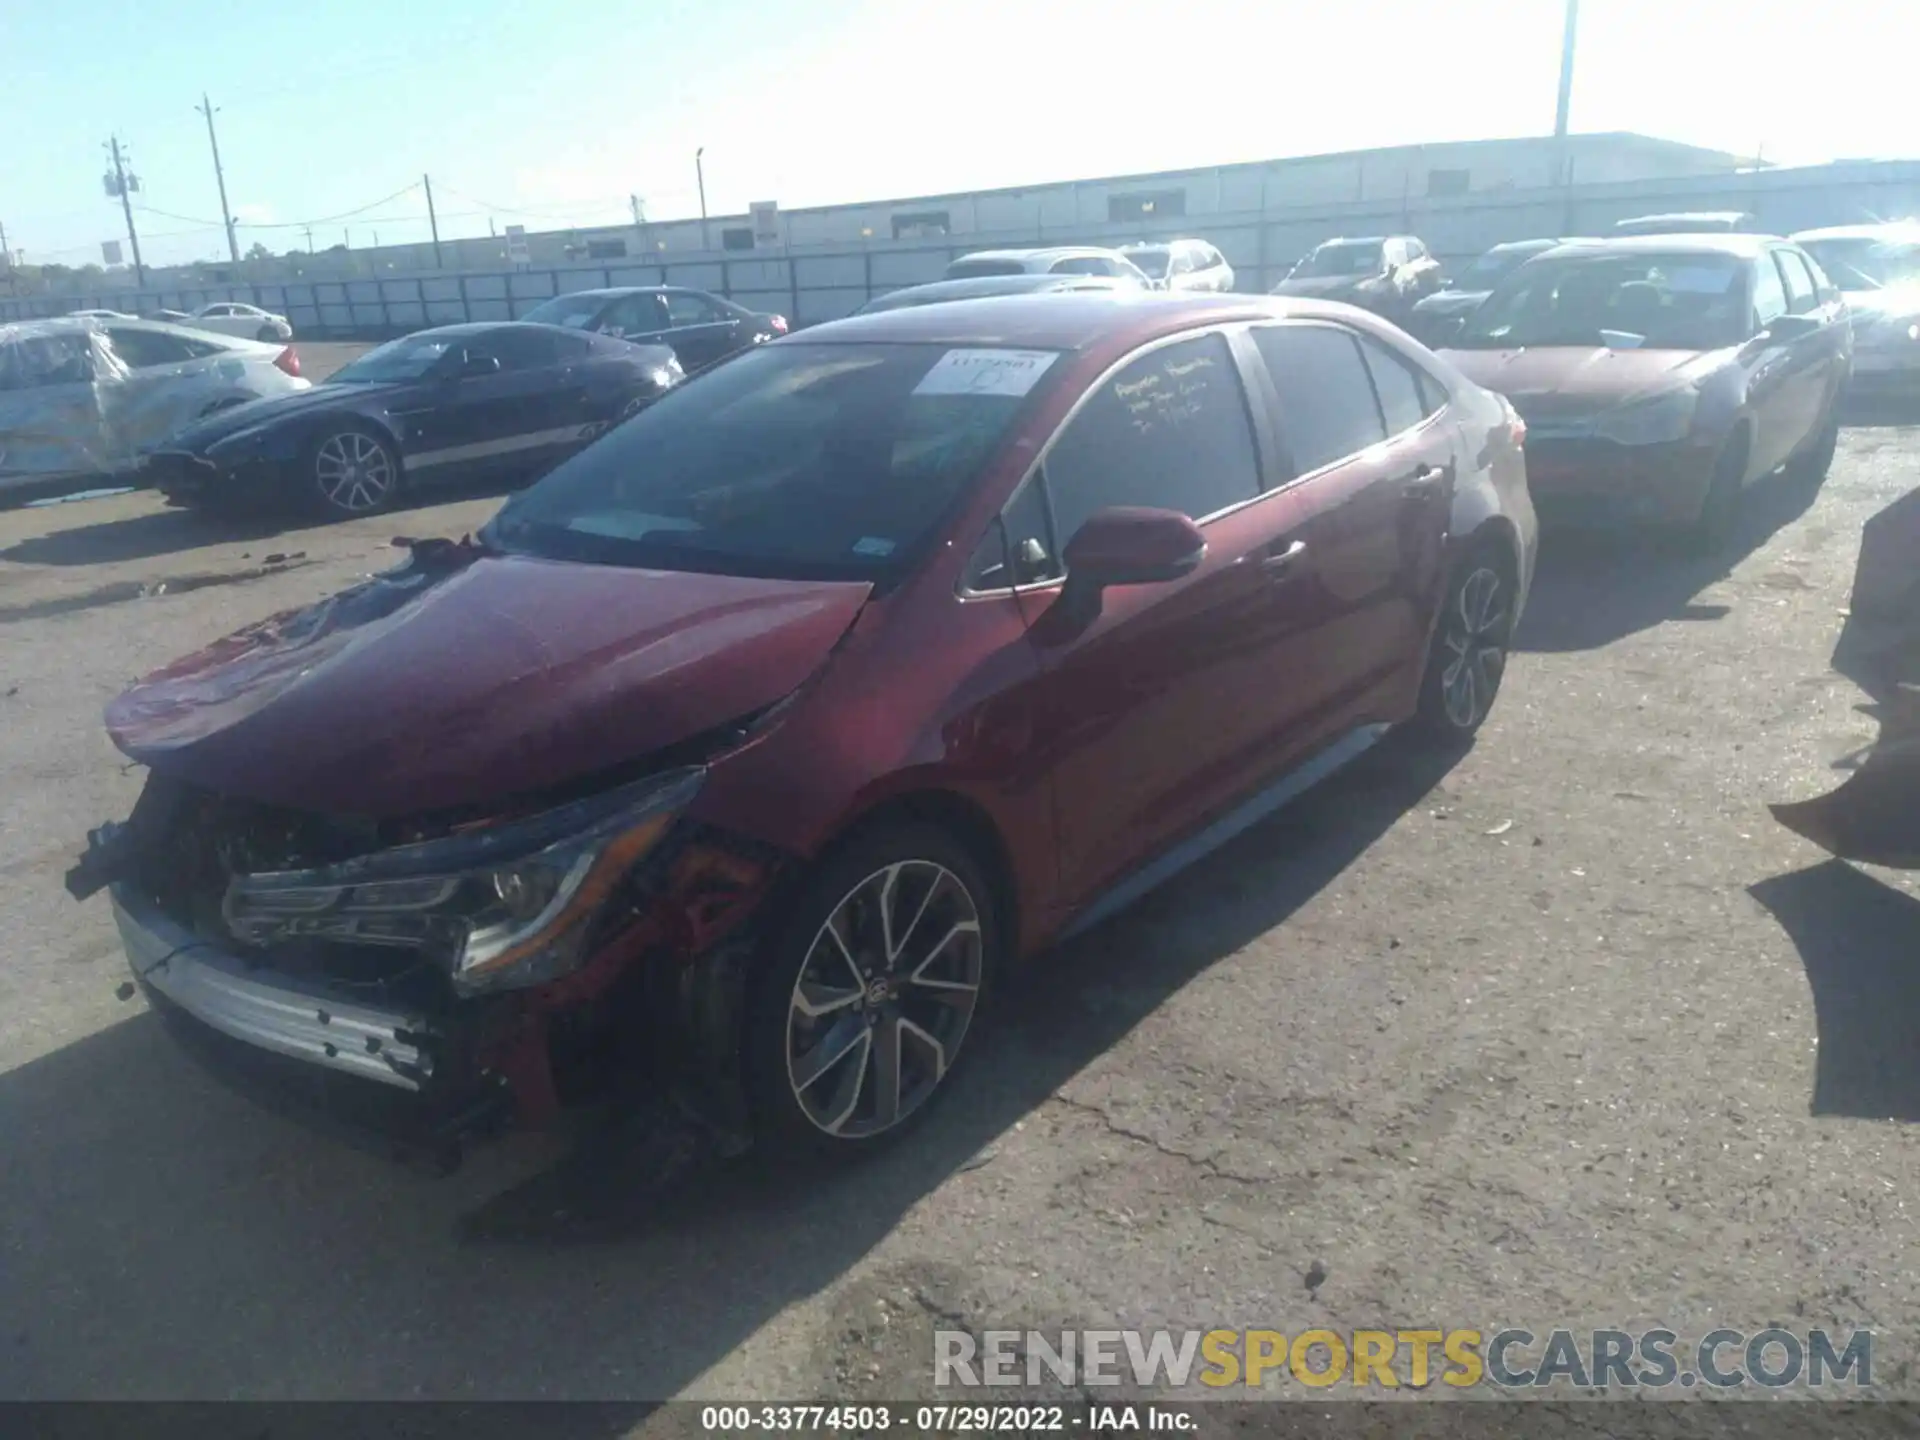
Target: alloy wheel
(884,999)
(354,472)
(1476,647)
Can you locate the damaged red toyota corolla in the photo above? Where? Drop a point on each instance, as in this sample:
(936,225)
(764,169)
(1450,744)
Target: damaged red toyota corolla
(758,738)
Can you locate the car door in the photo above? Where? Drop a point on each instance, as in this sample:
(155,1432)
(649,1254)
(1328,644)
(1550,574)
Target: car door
(51,419)
(1375,472)
(699,331)
(641,317)
(503,399)
(1813,358)
(1769,364)
(1159,712)
(170,381)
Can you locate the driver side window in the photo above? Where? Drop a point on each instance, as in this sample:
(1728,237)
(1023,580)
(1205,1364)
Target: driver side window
(1769,295)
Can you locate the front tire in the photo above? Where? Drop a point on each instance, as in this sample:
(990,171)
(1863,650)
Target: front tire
(351,471)
(862,1004)
(1811,465)
(1467,657)
(1720,511)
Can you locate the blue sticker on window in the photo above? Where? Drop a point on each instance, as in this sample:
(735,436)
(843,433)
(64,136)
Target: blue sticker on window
(872,545)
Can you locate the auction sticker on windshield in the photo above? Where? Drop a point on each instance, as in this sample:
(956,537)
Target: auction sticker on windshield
(985,372)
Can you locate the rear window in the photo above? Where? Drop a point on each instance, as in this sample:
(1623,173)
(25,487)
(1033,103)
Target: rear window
(969,269)
(1357,259)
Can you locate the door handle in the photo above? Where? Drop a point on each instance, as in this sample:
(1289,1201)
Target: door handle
(1425,481)
(1280,562)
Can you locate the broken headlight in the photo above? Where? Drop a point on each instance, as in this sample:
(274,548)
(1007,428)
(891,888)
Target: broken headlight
(501,906)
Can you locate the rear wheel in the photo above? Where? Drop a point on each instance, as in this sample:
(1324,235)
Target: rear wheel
(352,471)
(1468,656)
(863,1004)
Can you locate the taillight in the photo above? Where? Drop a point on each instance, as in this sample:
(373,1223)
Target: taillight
(289,361)
(777,323)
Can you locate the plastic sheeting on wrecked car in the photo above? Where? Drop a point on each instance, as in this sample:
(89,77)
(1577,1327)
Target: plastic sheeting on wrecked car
(71,407)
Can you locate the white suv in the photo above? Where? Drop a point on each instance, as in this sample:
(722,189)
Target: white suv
(1181,265)
(1053,260)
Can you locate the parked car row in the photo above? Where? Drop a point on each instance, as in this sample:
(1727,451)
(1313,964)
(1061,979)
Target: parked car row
(453,402)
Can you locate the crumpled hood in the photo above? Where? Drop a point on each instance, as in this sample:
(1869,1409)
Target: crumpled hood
(1568,380)
(439,686)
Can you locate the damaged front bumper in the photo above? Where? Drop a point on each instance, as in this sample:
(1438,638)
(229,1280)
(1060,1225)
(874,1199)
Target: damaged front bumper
(280,1013)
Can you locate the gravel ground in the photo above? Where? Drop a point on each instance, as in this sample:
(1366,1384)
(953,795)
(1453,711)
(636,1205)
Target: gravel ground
(1570,1034)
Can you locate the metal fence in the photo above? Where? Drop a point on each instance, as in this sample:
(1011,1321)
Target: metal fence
(814,284)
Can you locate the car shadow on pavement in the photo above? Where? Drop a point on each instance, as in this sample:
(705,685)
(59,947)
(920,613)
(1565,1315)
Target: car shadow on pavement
(1859,940)
(142,537)
(167,532)
(179,1242)
(1592,588)
(1873,411)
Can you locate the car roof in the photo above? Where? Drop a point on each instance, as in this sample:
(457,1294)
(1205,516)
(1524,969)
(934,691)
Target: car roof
(1038,252)
(615,292)
(1739,246)
(1357,240)
(1881,230)
(1060,320)
(974,287)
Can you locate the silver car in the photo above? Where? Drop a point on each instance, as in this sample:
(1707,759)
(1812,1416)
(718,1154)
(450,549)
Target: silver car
(81,399)
(942,292)
(1877,270)
(1048,260)
(1182,265)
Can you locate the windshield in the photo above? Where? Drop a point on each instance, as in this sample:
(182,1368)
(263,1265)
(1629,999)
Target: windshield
(1663,302)
(1863,264)
(1357,259)
(967,269)
(1154,260)
(572,311)
(1493,267)
(792,462)
(397,360)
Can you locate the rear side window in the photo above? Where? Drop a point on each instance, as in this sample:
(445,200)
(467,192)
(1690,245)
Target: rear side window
(1394,383)
(971,269)
(641,314)
(1082,265)
(686,308)
(142,349)
(1169,430)
(1326,394)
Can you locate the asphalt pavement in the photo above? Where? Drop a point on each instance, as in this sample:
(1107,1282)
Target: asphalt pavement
(1568,1034)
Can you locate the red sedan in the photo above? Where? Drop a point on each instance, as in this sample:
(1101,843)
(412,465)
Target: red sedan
(767,731)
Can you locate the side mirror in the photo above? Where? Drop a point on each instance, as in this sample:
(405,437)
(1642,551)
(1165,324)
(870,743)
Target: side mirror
(1128,545)
(1793,327)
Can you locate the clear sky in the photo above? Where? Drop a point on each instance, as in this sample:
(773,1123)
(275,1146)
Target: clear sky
(552,114)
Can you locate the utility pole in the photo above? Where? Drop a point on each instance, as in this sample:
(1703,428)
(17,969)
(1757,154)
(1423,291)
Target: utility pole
(309,230)
(120,183)
(6,261)
(1568,37)
(433,222)
(700,175)
(205,107)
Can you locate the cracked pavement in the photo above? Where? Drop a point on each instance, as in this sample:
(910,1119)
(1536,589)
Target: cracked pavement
(1568,1034)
